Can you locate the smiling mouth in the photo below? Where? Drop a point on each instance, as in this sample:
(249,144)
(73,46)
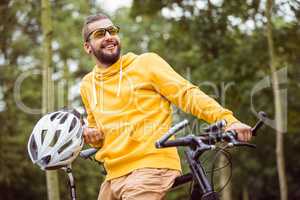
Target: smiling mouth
(110,46)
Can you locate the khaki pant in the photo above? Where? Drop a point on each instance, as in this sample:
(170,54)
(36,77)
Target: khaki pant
(141,184)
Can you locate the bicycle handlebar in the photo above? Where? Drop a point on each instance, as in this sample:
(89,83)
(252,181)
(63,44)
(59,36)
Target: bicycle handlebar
(212,136)
(171,132)
(87,153)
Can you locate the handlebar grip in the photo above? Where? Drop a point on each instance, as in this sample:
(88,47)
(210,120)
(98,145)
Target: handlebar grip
(171,132)
(260,123)
(88,152)
(177,142)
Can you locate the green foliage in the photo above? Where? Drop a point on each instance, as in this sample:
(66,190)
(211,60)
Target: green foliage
(202,43)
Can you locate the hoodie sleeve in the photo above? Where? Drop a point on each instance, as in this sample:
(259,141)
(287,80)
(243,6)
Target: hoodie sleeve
(183,94)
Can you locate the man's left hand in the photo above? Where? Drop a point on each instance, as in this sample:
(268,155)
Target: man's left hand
(243,131)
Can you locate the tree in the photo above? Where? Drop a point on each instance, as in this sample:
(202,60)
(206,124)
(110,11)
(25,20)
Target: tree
(227,191)
(48,93)
(214,47)
(278,106)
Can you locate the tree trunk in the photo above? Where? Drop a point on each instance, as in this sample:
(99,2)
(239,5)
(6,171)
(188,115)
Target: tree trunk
(245,193)
(225,173)
(278,107)
(66,83)
(48,93)
(63,87)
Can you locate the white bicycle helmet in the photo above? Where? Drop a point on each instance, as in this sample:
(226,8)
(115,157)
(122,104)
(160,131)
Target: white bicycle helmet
(56,139)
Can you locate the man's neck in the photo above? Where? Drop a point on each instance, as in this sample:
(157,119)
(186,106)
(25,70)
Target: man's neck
(102,65)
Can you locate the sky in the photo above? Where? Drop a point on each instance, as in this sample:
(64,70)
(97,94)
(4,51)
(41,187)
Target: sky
(112,5)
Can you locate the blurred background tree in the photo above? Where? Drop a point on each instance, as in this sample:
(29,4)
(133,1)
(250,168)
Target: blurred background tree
(221,46)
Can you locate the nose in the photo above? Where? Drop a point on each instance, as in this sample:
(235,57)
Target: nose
(107,34)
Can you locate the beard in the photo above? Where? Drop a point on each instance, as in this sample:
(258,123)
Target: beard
(107,58)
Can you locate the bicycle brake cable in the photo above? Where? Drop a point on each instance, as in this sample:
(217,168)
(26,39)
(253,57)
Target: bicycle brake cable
(225,165)
(229,163)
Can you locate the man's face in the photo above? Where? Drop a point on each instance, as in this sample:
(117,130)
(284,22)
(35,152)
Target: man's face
(107,48)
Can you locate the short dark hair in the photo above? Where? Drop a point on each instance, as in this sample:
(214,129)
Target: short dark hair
(88,20)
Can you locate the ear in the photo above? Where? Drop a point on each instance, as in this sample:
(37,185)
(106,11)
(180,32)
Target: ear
(87,47)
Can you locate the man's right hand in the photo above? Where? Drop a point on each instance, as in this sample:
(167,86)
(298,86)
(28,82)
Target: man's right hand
(92,136)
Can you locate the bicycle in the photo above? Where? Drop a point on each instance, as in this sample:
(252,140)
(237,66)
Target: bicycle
(197,145)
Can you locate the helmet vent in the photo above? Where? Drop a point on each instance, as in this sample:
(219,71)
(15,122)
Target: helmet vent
(60,115)
(43,135)
(76,113)
(64,146)
(79,133)
(33,148)
(55,138)
(63,119)
(45,160)
(53,116)
(73,124)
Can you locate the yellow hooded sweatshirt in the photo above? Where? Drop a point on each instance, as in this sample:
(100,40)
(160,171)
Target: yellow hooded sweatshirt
(130,103)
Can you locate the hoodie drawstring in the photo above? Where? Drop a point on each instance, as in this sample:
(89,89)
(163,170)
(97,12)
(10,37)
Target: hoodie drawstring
(94,90)
(119,84)
(120,77)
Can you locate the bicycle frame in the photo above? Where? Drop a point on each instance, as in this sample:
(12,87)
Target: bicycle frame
(201,187)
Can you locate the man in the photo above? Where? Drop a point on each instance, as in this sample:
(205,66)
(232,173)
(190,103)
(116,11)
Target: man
(128,102)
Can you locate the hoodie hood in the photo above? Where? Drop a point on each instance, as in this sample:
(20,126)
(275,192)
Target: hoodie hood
(102,74)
